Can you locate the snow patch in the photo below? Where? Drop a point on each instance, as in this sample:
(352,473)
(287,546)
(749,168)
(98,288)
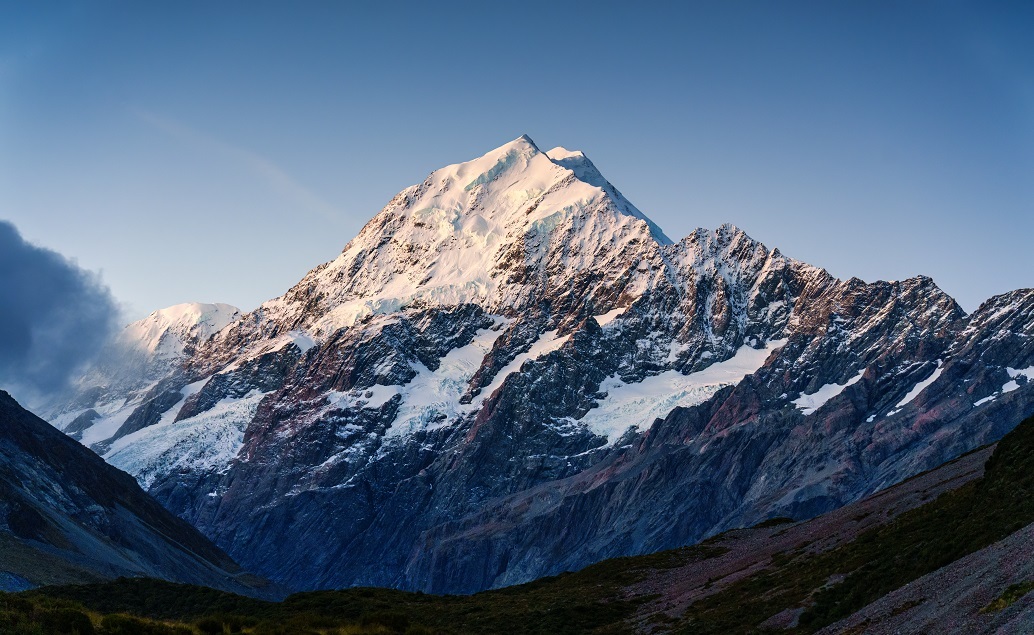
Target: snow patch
(1012,384)
(373,397)
(545,344)
(108,424)
(432,399)
(988,399)
(302,340)
(921,386)
(809,403)
(206,442)
(606,318)
(634,405)
(1023,372)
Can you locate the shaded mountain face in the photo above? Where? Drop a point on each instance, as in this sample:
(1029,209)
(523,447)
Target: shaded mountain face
(511,372)
(68,517)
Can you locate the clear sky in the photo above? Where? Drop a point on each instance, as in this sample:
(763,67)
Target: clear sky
(216,151)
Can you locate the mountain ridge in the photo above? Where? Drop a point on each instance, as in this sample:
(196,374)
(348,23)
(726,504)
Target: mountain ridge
(68,517)
(507,351)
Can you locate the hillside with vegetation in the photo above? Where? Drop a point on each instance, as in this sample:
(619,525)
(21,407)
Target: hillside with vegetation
(743,581)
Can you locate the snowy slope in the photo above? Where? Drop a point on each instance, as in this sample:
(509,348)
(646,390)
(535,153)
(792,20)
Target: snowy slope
(144,353)
(165,333)
(497,231)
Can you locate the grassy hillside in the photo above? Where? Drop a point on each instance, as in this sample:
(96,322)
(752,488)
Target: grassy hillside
(604,598)
(587,601)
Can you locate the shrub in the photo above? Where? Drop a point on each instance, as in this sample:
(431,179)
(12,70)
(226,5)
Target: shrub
(1009,597)
(119,624)
(209,626)
(395,622)
(65,622)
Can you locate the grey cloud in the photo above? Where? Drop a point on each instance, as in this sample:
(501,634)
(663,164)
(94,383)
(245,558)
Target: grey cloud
(54,316)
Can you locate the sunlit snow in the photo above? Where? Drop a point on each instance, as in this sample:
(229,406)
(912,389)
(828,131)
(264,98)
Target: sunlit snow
(162,332)
(606,318)
(639,404)
(441,243)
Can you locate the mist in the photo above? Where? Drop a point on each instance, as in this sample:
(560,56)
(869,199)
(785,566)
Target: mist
(54,317)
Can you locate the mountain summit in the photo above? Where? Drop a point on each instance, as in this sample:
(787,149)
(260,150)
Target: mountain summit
(511,372)
(501,231)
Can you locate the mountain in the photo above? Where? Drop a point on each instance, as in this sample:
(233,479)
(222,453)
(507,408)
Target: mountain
(98,410)
(68,517)
(944,552)
(511,372)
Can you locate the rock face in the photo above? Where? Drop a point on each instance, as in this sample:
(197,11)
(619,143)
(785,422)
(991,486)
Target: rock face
(511,372)
(68,517)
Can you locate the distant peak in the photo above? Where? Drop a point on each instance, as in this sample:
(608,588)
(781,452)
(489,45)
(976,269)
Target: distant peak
(193,312)
(187,319)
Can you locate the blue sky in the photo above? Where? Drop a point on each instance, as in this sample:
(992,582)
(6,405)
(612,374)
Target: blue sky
(218,151)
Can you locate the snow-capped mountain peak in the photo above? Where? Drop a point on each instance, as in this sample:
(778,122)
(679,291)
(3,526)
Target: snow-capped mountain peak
(494,231)
(164,332)
(511,360)
(585,170)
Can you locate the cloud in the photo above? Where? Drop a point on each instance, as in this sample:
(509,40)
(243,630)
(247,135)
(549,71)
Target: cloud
(274,176)
(54,317)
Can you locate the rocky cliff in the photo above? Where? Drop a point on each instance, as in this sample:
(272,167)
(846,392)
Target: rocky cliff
(68,517)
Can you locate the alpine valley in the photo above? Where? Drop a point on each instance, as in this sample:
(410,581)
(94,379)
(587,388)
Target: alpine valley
(511,372)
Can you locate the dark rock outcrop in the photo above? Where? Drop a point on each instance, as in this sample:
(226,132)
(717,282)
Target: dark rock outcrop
(68,517)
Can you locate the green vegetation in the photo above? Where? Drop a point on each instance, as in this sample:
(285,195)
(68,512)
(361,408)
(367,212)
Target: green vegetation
(1013,593)
(589,601)
(829,585)
(41,615)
